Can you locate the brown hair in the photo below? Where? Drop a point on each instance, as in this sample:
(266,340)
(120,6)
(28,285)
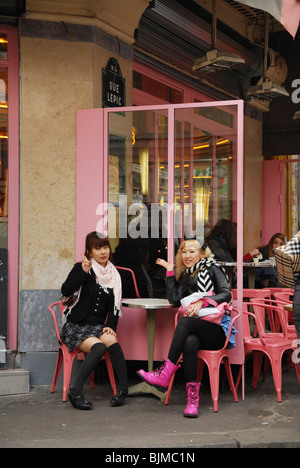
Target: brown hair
(95,239)
(281,236)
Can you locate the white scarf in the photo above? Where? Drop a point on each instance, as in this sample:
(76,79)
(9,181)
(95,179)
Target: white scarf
(108,277)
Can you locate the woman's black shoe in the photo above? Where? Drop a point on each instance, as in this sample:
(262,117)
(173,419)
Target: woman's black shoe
(118,399)
(80,402)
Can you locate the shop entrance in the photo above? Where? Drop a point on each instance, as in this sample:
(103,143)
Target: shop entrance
(281,184)
(152,176)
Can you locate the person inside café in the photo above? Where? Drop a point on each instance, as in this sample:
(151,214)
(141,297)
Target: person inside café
(265,277)
(196,271)
(134,254)
(92,322)
(222,240)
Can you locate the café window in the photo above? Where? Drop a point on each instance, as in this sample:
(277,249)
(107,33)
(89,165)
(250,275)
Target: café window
(165,173)
(3,141)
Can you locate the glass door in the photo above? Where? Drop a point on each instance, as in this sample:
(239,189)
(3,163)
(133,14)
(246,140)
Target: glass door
(161,174)
(9,187)
(172,175)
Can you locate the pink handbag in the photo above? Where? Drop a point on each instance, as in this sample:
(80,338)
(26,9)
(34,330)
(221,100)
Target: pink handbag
(213,313)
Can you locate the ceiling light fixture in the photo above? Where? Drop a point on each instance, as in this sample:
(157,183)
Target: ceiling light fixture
(216,60)
(267,90)
(296,115)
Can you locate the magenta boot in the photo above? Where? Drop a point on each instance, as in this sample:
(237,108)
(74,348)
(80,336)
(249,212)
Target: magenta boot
(160,377)
(191,410)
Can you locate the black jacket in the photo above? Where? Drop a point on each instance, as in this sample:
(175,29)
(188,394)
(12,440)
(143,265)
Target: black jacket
(76,278)
(187,285)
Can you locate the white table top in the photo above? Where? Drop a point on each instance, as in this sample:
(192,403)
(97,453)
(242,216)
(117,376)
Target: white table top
(147,303)
(264,264)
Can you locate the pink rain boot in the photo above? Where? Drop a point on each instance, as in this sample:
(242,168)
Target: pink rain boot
(191,410)
(160,377)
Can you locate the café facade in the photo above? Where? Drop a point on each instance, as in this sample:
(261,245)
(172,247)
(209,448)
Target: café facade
(108,125)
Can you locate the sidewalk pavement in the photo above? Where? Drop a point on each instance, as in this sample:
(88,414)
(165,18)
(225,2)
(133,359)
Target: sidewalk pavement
(41,420)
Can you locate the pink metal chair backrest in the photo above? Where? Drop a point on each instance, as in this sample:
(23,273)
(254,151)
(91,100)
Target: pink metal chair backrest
(276,316)
(133,279)
(252,293)
(61,309)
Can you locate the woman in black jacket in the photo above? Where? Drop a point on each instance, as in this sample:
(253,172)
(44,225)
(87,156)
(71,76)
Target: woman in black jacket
(196,271)
(92,322)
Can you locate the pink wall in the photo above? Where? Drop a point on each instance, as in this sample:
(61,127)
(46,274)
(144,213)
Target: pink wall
(273,201)
(273,197)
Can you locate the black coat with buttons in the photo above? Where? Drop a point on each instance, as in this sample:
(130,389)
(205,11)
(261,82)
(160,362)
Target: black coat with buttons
(85,308)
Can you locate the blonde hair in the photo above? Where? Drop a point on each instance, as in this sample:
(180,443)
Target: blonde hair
(190,243)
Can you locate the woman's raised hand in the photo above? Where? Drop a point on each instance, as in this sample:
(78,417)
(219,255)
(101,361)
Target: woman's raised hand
(168,266)
(86,264)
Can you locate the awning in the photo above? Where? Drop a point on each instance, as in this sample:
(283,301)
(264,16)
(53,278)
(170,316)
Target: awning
(287,12)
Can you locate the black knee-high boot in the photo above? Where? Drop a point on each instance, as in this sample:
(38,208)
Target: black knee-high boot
(88,365)
(120,370)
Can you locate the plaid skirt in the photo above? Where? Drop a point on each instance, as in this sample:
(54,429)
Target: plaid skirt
(72,334)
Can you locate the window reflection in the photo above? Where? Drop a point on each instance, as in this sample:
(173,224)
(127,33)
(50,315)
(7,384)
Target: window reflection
(140,169)
(3,157)
(3,46)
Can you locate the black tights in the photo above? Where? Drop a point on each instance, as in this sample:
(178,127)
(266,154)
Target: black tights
(192,334)
(91,361)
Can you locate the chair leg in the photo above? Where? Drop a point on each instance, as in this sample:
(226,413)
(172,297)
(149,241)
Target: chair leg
(110,371)
(266,369)
(200,370)
(58,366)
(168,394)
(238,379)
(68,364)
(92,380)
(257,362)
(230,378)
(214,379)
(277,372)
(297,371)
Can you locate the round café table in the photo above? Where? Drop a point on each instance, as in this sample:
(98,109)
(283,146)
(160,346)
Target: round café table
(251,267)
(151,306)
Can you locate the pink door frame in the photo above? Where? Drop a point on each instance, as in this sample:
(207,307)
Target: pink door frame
(92,152)
(12,64)
(273,195)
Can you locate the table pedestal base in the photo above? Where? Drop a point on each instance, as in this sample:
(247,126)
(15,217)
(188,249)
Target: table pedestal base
(151,306)
(143,387)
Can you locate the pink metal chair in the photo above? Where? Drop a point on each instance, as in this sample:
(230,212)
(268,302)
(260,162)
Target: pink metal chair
(249,294)
(271,344)
(274,291)
(276,325)
(212,359)
(284,298)
(133,279)
(252,293)
(64,357)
